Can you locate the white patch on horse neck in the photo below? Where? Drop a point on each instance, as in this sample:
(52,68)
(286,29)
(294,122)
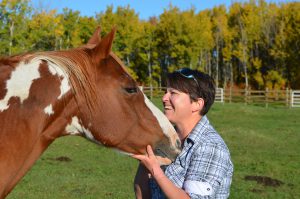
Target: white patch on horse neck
(49,110)
(64,86)
(20,82)
(75,128)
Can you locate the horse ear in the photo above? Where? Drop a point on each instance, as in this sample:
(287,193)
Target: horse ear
(95,39)
(103,48)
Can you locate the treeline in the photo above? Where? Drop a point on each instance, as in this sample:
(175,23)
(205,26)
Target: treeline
(252,44)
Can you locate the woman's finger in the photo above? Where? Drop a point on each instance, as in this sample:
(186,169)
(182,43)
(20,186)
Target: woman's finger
(139,157)
(150,151)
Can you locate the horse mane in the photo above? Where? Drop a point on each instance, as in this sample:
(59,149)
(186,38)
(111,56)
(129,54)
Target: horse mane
(74,64)
(11,61)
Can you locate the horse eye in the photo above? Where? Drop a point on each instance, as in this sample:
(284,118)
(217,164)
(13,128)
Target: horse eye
(131,90)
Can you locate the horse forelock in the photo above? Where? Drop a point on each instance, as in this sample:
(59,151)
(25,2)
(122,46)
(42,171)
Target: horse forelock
(75,65)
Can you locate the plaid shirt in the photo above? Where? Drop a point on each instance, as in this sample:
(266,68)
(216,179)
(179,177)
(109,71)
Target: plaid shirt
(204,161)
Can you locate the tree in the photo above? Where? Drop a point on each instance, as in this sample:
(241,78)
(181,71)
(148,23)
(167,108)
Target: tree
(128,28)
(240,50)
(86,26)
(203,39)
(220,29)
(45,31)
(70,20)
(145,54)
(14,17)
(287,45)
(171,40)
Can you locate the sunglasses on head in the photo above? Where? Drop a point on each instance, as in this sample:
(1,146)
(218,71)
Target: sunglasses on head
(188,73)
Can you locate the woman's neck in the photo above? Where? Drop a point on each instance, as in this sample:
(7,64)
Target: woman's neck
(185,127)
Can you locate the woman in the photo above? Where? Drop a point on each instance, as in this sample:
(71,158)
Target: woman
(203,169)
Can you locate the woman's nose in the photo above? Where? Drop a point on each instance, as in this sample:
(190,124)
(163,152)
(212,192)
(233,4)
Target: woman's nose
(165,97)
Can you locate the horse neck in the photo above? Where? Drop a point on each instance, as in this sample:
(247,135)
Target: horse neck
(39,143)
(30,125)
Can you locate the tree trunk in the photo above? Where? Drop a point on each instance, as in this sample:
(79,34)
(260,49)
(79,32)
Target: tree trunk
(150,74)
(11,35)
(245,67)
(231,81)
(225,72)
(244,42)
(127,60)
(217,66)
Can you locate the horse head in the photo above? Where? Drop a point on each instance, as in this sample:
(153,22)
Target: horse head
(119,115)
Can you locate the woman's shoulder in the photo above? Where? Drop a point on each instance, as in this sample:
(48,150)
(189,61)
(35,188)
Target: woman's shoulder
(210,141)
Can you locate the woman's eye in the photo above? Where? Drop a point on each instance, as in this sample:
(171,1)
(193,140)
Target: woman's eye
(131,90)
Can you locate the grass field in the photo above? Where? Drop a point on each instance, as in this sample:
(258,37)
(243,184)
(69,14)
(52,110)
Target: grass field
(264,145)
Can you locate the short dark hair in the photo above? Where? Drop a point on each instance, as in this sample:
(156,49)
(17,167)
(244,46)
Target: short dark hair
(195,83)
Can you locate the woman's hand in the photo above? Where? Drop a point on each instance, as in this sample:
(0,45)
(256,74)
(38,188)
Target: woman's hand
(150,162)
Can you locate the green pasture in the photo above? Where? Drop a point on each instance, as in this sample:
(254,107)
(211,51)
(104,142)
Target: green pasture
(264,144)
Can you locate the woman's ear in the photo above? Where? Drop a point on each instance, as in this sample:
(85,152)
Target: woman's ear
(198,105)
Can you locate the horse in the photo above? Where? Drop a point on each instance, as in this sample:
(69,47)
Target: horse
(85,91)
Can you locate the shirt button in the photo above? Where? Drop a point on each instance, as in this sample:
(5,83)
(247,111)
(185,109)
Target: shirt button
(208,189)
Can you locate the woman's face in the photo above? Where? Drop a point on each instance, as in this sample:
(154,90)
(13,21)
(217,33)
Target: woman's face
(177,105)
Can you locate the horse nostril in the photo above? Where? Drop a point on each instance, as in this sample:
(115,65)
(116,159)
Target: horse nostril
(178,144)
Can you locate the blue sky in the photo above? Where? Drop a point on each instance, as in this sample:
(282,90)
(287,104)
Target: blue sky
(145,8)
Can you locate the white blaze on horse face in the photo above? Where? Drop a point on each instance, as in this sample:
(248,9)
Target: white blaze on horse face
(75,128)
(163,121)
(49,110)
(20,82)
(64,86)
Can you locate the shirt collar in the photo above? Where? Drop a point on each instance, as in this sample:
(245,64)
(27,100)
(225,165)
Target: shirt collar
(198,130)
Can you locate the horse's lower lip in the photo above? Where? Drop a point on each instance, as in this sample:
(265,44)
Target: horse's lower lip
(163,154)
(160,152)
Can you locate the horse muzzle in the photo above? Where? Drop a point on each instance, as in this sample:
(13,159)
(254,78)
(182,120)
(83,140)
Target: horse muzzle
(166,153)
